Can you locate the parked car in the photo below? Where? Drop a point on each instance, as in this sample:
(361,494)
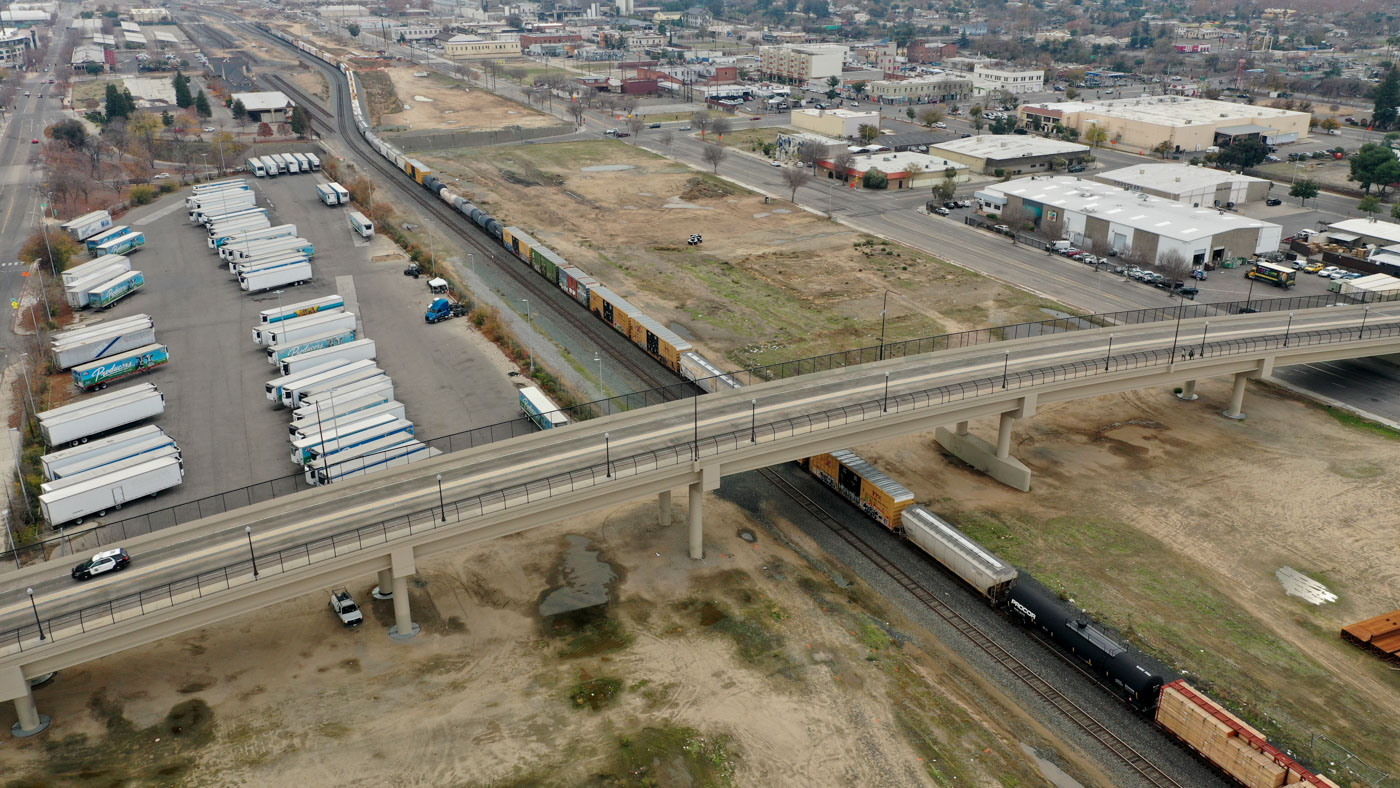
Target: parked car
(940,125)
(1076,168)
(1328,271)
(1338,275)
(1088,259)
(1312,268)
(1273,201)
(654,126)
(775,163)
(951,204)
(1003,229)
(685,128)
(113,560)
(940,210)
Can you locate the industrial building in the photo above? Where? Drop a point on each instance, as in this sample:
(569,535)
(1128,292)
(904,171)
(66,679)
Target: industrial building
(1014,154)
(464,46)
(921,90)
(1364,233)
(1183,122)
(1137,226)
(907,170)
(833,122)
(801,63)
(271,106)
(1197,186)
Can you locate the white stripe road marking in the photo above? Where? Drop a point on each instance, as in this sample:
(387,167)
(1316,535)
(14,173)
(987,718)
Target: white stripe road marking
(500,465)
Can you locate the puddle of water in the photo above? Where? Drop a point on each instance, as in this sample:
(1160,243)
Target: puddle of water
(608,168)
(1054,774)
(1297,584)
(760,215)
(586,580)
(747,535)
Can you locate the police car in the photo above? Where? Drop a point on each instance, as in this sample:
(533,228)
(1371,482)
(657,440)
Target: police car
(109,561)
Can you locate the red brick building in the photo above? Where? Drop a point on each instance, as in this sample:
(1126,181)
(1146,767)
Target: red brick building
(926,51)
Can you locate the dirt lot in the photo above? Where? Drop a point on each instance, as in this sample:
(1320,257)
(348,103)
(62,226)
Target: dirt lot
(451,105)
(751,669)
(313,82)
(770,283)
(1169,521)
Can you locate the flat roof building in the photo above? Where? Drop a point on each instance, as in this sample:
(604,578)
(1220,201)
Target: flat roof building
(13,44)
(801,63)
(1368,232)
(1138,227)
(834,122)
(1200,187)
(1185,123)
(1015,154)
(466,47)
(921,90)
(271,106)
(906,170)
(989,79)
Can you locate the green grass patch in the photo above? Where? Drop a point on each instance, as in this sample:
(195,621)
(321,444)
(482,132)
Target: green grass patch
(596,694)
(1352,420)
(125,755)
(87,94)
(672,755)
(588,632)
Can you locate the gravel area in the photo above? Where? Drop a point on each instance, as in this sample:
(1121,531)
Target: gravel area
(751,491)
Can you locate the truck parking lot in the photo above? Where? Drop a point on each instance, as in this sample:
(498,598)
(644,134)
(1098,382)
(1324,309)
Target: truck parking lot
(230,436)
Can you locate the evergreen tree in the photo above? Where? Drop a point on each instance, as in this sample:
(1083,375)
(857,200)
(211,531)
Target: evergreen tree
(1387,99)
(183,99)
(240,112)
(201,105)
(301,124)
(116,105)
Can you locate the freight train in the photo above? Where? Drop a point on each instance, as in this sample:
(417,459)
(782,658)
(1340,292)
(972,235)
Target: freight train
(1246,758)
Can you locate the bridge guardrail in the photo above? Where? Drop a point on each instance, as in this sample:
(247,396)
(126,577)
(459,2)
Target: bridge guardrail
(109,533)
(198,586)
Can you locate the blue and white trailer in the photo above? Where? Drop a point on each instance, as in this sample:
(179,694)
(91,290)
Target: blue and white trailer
(273,388)
(89,343)
(342,374)
(323,305)
(58,463)
(327,422)
(314,161)
(327,195)
(244,237)
(125,244)
(312,418)
(107,235)
(347,453)
(87,225)
(268,245)
(297,328)
(332,442)
(330,398)
(276,353)
(302,164)
(380,460)
(220,202)
(269,166)
(115,289)
(358,350)
(256,167)
(541,410)
(119,366)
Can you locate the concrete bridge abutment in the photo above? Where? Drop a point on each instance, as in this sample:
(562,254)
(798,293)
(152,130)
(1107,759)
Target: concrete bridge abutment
(709,480)
(17,688)
(402,567)
(995,461)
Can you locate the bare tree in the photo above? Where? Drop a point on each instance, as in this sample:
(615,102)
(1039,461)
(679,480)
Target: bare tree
(577,110)
(701,121)
(635,124)
(720,126)
(666,138)
(809,153)
(795,178)
(713,154)
(1174,266)
(841,163)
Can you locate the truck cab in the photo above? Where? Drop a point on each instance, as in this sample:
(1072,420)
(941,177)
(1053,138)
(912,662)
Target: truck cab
(345,608)
(439,310)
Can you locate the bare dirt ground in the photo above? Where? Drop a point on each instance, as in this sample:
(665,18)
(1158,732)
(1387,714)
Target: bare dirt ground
(313,82)
(1169,521)
(452,105)
(749,669)
(770,283)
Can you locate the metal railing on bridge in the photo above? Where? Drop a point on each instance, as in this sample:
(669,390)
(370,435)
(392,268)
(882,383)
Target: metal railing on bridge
(241,573)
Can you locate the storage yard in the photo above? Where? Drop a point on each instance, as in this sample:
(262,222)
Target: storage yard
(768,282)
(836,687)
(1175,497)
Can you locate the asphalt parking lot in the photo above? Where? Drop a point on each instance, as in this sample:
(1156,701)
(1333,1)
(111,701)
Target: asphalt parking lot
(230,435)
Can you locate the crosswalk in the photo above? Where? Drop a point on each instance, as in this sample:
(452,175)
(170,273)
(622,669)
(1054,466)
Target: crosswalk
(11,264)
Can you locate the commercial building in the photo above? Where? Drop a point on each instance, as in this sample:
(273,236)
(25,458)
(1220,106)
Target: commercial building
(926,51)
(1199,187)
(13,44)
(1138,227)
(907,170)
(1184,123)
(989,79)
(921,90)
(23,18)
(271,106)
(465,47)
(147,16)
(833,122)
(341,11)
(1364,233)
(789,142)
(801,63)
(414,32)
(1014,154)
(84,54)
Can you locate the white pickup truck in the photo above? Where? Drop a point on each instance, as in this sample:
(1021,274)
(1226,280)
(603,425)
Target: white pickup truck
(345,608)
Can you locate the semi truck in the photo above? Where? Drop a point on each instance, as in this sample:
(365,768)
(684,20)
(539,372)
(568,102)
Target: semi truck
(77,293)
(384,459)
(311,417)
(326,422)
(349,373)
(332,442)
(267,246)
(300,328)
(81,345)
(273,388)
(125,244)
(105,236)
(113,290)
(87,225)
(119,366)
(276,353)
(111,491)
(443,309)
(71,275)
(271,278)
(62,462)
(358,350)
(331,398)
(77,422)
(232,240)
(322,305)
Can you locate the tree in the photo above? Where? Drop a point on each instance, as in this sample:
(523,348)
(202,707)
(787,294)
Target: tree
(62,247)
(833,85)
(875,179)
(1162,148)
(353,29)
(115,103)
(1329,125)
(1387,99)
(795,178)
(578,111)
(809,154)
(1175,267)
(240,112)
(144,126)
(713,153)
(201,105)
(1096,136)
(945,189)
(1245,153)
(720,126)
(183,99)
(1058,163)
(977,124)
(1304,190)
(858,87)
(70,132)
(931,116)
(1370,205)
(635,124)
(1374,165)
(301,122)
(264,130)
(910,113)
(841,164)
(166,119)
(700,120)
(666,138)
(868,133)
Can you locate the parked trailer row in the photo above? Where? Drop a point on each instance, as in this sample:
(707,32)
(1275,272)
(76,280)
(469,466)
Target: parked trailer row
(113,467)
(314,417)
(275,164)
(99,374)
(111,491)
(87,225)
(62,462)
(326,423)
(332,194)
(124,244)
(89,343)
(357,350)
(76,293)
(233,239)
(71,275)
(299,328)
(106,235)
(266,246)
(79,421)
(408,451)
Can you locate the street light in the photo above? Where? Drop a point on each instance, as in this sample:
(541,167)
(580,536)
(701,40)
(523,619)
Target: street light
(442,505)
(1005,368)
(1364,314)
(753,421)
(248,530)
(1109,358)
(37,622)
(885,403)
(884,306)
(607,454)
(1287,329)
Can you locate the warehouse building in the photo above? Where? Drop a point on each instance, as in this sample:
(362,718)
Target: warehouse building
(1183,122)
(1013,154)
(463,46)
(271,106)
(1357,233)
(1199,187)
(833,122)
(1138,227)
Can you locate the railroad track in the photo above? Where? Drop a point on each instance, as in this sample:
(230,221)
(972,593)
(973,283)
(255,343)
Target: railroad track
(623,352)
(1037,684)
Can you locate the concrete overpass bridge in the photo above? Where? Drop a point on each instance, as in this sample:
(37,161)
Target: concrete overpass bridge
(195,575)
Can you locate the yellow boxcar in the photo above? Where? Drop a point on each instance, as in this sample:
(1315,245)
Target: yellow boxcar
(416,170)
(657,340)
(518,242)
(879,496)
(611,308)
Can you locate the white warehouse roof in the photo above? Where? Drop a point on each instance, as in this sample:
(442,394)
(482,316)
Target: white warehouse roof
(263,101)
(1140,211)
(1009,146)
(1385,231)
(1166,176)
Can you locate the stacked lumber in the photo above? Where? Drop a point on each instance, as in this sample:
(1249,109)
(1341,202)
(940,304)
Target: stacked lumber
(1379,635)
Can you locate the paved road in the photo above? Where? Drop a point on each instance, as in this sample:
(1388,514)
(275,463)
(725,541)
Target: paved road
(668,430)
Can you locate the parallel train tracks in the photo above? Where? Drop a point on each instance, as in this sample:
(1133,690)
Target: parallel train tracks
(621,351)
(1042,688)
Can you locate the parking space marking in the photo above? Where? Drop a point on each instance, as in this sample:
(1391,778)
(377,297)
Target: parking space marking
(345,286)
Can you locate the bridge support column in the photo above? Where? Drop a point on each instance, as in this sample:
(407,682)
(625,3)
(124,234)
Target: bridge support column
(1188,391)
(385,589)
(663,508)
(709,480)
(403,567)
(1237,396)
(17,688)
(995,461)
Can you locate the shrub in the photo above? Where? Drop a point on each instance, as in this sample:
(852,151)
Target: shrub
(166,187)
(874,179)
(142,194)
